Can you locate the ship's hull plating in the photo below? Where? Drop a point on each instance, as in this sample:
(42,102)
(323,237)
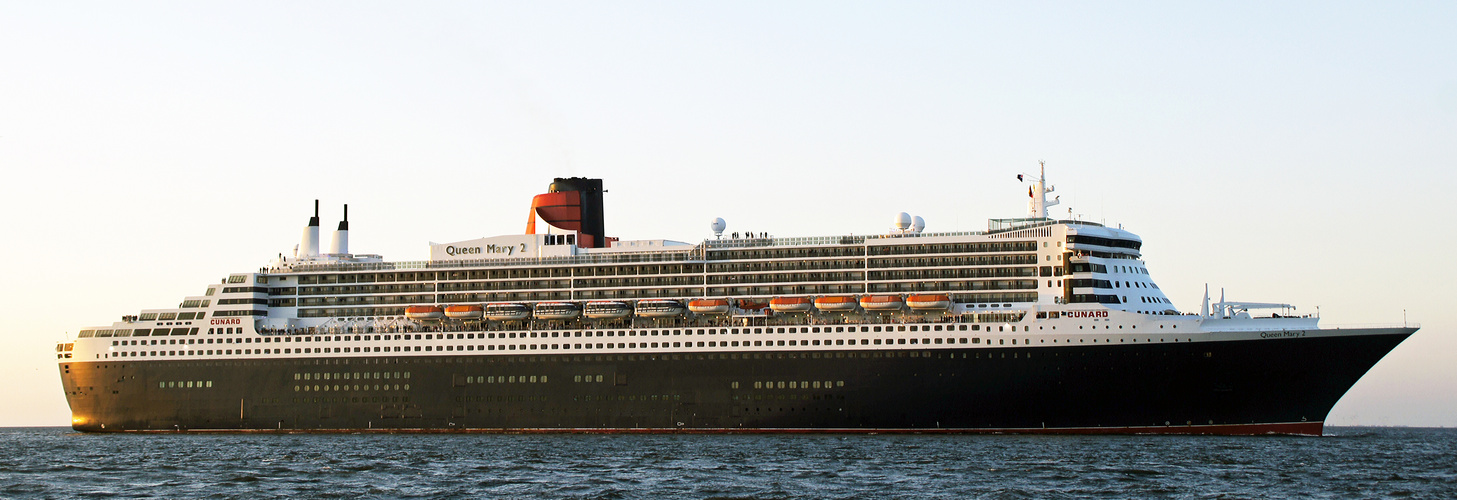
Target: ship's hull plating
(1282,386)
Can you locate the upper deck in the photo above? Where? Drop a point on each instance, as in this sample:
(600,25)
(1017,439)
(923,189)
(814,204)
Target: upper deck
(1016,265)
(703,251)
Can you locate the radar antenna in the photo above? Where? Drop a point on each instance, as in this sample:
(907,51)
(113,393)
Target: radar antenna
(718,226)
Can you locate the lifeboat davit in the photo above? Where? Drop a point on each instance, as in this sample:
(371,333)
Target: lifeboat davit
(789,304)
(606,309)
(929,302)
(464,312)
(557,310)
(506,311)
(424,312)
(835,303)
(881,302)
(659,308)
(709,306)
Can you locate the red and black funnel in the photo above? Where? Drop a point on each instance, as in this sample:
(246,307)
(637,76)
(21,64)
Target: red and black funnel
(573,203)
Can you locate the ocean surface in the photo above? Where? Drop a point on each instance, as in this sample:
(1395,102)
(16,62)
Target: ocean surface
(1350,462)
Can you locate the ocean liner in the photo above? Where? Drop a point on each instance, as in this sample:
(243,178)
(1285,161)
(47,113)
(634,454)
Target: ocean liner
(1034,325)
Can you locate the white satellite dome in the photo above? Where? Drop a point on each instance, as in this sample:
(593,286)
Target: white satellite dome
(917,224)
(718,226)
(902,221)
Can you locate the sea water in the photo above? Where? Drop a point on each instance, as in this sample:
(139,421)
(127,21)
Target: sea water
(1346,463)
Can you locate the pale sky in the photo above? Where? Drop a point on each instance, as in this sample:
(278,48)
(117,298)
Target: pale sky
(1286,152)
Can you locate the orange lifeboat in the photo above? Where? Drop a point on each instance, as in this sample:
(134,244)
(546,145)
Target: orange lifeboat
(424,312)
(709,306)
(835,303)
(557,310)
(789,304)
(881,302)
(749,305)
(505,311)
(606,309)
(929,302)
(659,308)
(465,312)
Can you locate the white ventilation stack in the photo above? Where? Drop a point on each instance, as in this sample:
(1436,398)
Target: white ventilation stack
(309,247)
(340,246)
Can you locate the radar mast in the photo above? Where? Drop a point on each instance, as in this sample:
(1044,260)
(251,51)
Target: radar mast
(1037,206)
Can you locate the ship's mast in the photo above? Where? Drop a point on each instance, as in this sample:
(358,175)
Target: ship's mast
(1037,206)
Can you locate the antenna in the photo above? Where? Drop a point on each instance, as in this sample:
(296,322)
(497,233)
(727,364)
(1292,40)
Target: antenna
(717,226)
(1037,205)
(1204,310)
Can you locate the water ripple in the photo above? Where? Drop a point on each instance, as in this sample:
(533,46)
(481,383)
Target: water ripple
(1350,463)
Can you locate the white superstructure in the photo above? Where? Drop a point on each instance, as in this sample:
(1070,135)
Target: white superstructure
(1030,282)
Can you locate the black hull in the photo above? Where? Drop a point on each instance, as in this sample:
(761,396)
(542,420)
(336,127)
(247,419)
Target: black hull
(1229,387)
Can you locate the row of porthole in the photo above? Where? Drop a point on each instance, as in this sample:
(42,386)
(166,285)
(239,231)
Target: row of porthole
(789,396)
(675,344)
(326,387)
(629,397)
(610,333)
(506,379)
(973,340)
(500,399)
(519,398)
(746,343)
(1110,341)
(187,384)
(803,384)
(1120,327)
(350,375)
(1080,327)
(365,399)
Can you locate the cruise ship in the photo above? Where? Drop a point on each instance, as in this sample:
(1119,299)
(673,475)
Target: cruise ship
(1036,325)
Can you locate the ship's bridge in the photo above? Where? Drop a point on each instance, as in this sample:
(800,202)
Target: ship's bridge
(1101,240)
